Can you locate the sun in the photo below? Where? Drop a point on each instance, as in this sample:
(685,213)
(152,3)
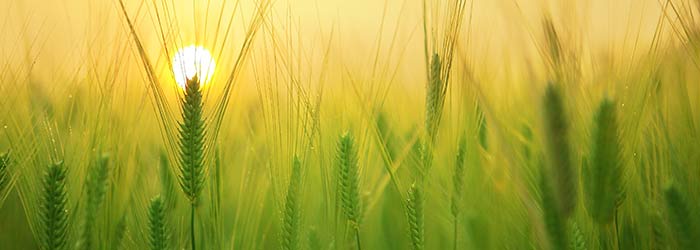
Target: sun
(190,61)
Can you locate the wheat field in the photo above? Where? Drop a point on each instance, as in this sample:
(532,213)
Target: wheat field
(306,124)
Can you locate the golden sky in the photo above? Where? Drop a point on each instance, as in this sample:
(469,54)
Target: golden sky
(69,31)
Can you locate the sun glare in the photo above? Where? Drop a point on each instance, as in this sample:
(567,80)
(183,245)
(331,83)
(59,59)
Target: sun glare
(190,61)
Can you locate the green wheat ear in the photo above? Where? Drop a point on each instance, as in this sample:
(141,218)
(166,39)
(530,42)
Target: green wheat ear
(4,162)
(292,216)
(348,177)
(414,212)
(54,213)
(602,177)
(554,223)
(348,181)
(434,97)
(192,131)
(119,233)
(558,151)
(458,177)
(96,185)
(159,235)
(681,219)
(578,242)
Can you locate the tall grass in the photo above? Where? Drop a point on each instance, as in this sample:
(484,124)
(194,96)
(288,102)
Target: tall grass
(456,146)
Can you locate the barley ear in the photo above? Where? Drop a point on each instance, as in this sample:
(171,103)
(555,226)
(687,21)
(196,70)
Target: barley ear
(602,177)
(554,222)
(53,209)
(96,186)
(578,242)
(348,182)
(348,177)
(458,177)
(292,214)
(434,98)
(192,131)
(414,213)
(558,152)
(119,233)
(4,162)
(158,233)
(680,219)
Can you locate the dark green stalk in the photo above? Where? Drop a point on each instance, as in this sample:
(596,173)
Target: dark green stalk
(348,181)
(53,209)
(192,236)
(602,178)
(558,152)
(159,234)
(414,212)
(192,131)
(458,184)
(292,217)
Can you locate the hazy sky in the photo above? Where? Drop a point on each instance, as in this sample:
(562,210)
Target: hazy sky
(66,31)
